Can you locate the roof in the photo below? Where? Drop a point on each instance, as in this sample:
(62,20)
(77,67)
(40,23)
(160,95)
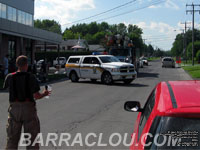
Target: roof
(89,56)
(72,42)
(178,96)
(96,48)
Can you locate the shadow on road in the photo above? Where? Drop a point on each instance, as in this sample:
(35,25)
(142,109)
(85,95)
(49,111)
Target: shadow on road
(147,75)
(115,84)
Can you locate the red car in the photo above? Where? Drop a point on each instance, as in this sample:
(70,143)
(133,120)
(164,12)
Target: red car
(170,118)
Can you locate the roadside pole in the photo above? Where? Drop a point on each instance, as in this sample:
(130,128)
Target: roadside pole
(192,12)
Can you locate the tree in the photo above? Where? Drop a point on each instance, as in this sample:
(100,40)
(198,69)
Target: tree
(68,34)
(177,48)
(150,50)
(49,25)
(121,29)
(196,48)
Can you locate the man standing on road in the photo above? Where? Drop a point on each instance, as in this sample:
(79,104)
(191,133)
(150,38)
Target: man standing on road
(23,90)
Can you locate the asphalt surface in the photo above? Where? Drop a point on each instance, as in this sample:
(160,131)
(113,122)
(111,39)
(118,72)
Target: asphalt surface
(87,107)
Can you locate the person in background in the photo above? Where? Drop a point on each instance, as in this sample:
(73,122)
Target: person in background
(5,65)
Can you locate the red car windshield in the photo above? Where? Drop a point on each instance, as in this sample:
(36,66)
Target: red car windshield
(174,133)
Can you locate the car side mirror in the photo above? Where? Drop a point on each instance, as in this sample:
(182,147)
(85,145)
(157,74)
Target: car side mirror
(133,106)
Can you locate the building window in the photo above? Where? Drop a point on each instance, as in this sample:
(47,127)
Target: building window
(12,14)
(0,10)
(3,11)
(23,17)
(19,16)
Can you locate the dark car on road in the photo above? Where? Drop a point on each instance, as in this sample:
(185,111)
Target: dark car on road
(170,118)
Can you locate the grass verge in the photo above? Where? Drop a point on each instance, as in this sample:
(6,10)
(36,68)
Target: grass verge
(153,58)
(194,71)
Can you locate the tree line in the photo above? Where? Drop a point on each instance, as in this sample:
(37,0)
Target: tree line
(95,33)
(185,40)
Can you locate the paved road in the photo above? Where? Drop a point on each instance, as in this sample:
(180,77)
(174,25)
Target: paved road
(86,107)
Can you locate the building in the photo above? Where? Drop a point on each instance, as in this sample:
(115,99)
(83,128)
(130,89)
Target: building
(96,48)
(17,33)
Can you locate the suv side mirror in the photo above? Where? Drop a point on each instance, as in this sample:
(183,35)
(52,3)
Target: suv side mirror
(133,106)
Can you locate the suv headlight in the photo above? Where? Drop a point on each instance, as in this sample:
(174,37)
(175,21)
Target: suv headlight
(115,70)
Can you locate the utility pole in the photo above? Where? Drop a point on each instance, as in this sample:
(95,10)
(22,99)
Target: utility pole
(185,40)
(192,12)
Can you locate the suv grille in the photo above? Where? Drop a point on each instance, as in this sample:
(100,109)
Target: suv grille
(127,69)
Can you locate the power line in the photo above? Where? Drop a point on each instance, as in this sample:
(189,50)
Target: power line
(156,3)
(102,12)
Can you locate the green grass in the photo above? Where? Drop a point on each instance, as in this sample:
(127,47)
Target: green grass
(194,71)
(153,58)
(189,62)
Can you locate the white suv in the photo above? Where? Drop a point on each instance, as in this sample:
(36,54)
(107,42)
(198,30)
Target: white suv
(106,68)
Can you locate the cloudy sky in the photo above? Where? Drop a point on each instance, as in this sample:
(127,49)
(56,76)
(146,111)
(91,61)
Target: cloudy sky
(160,19)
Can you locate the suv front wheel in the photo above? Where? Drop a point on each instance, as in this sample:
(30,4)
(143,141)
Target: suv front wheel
(74,77)
(107,78)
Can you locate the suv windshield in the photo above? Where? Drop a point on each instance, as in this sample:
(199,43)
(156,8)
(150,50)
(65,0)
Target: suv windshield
(109,59)
(120,52)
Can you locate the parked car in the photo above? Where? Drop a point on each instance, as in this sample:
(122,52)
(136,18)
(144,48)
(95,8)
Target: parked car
(141,63)
(62,61)
(106,68)
(172,112)
(168,62)
(145,60)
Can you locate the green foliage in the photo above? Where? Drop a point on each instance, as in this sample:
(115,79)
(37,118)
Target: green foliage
(95,33)
(68,34)
(49,25)
(177,48)
(196,48)
(198,55)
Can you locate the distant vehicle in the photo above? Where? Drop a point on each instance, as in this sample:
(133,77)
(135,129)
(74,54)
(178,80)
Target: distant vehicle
(106,68)
(168,62)
(141,63)
(62,61)
(145,60)
(171,113)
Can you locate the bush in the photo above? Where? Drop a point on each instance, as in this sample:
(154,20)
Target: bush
(196,48)
(198,55)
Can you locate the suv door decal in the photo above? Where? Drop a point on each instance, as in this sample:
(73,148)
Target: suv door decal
(172,95)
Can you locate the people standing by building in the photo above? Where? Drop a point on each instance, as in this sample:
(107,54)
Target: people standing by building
(5,64)
(23,93)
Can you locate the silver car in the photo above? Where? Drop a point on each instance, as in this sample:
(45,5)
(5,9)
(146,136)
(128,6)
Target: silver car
(168,62)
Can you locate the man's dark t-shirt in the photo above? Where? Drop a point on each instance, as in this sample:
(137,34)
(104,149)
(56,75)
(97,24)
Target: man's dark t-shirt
(22,86)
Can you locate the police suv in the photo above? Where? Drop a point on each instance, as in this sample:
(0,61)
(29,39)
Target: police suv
(106,68)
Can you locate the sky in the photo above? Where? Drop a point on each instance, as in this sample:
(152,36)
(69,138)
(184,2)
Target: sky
(160,20)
